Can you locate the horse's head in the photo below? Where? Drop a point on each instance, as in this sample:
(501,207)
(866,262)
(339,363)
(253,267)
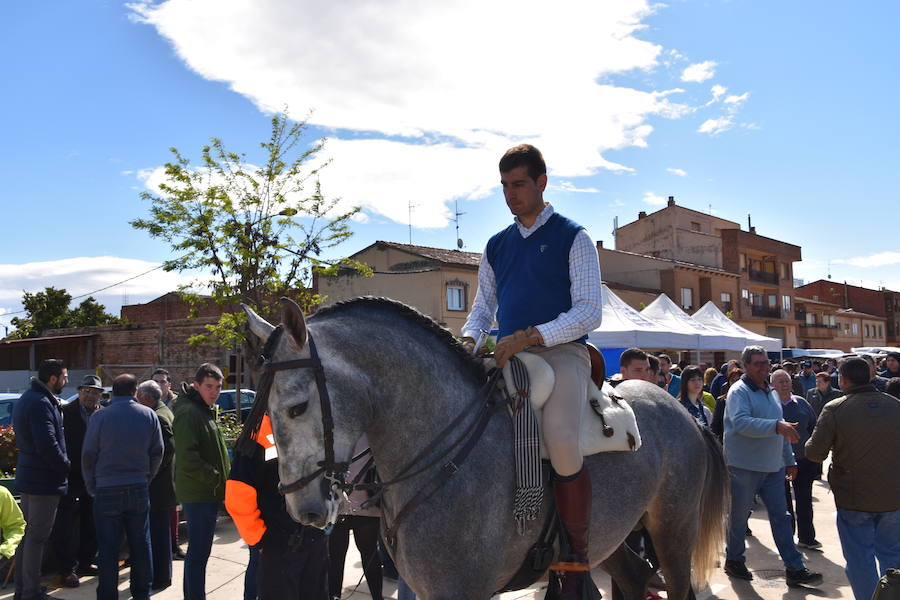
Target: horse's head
(295,410)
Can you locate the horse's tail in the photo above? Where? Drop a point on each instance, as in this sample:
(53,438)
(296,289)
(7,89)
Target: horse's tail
(714,505)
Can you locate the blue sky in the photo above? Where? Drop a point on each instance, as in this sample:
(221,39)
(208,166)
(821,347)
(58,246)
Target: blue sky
(783,110)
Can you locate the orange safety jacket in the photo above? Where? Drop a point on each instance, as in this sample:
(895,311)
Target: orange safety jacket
(251,492)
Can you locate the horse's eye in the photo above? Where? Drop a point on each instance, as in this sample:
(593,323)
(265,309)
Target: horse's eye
(297,410)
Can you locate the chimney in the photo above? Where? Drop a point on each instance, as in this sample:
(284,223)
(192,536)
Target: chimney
(642,214)
(599,243)
(753,230)
(671,201)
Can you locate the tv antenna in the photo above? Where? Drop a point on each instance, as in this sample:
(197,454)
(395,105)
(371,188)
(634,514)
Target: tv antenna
(829,269)
(411,206)
(455,219)
(615,225)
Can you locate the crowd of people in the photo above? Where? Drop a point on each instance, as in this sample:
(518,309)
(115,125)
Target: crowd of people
(778,423)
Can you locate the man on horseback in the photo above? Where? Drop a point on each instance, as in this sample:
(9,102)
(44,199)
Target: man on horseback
(540,278)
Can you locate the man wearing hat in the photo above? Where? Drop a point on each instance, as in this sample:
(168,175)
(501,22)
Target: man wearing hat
(806,378)
(74,538)
(892,365)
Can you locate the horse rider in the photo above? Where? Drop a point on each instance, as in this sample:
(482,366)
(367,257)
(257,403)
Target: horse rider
(540,278)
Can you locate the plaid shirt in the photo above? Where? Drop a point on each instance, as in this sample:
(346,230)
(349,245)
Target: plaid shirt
(584,273)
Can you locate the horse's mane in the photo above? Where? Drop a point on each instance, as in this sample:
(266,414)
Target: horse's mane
(409,314)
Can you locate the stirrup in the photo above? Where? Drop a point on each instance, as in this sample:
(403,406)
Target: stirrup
(570,566)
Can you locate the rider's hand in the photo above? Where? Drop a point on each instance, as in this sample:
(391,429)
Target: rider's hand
(790,473)
(468,343)
(515,343)
(788,430)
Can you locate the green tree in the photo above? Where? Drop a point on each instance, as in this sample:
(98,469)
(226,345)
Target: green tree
(50,310)
(256,231)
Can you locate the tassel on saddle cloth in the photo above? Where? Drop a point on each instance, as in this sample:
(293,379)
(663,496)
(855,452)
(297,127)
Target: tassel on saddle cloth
(529,485)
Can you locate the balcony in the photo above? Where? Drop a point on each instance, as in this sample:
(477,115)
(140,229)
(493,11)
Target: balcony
(800,315)
(765,311)
(763,276)
(817,330)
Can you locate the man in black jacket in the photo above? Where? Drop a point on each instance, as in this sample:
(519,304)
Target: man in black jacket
(42,469)
(74,538)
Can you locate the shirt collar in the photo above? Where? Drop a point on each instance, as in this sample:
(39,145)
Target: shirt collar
(121,399)
(752,385)
(541,219)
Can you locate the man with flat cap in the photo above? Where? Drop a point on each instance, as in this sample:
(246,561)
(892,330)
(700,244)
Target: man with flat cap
(74,539)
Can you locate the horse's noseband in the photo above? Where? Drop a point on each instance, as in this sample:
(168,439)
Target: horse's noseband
(332,470)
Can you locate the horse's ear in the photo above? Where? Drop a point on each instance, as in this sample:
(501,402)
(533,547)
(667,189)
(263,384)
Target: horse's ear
(292,317)
(259,326)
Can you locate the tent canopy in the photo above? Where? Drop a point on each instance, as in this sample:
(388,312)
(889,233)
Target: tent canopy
(711,317)
(669,315)
(624,327)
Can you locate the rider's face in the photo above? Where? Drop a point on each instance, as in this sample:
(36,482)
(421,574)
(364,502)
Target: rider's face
(524,195)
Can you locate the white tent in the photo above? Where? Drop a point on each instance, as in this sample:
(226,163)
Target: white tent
(624,327)
(710,316)
(669,315)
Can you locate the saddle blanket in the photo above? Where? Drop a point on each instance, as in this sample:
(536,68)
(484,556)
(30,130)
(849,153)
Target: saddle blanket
(617,415)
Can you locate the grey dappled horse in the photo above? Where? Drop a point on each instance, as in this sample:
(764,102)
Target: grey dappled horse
(398,377)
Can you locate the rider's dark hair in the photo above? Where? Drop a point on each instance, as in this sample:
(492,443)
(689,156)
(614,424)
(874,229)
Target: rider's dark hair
(686,375)
(50,367)
(208,370)
(524,155)
(630,355)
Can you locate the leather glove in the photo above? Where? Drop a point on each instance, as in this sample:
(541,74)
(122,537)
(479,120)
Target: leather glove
(515,343)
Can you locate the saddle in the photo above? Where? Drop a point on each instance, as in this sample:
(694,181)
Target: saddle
(608,423)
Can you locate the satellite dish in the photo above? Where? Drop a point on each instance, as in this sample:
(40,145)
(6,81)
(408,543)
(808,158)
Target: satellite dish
(459,244)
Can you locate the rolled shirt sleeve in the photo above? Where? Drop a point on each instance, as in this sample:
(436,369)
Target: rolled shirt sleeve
(484,307)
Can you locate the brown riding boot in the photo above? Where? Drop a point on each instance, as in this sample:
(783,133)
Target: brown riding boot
(573,502)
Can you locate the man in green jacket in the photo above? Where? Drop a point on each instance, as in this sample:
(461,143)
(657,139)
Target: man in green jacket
(201,468)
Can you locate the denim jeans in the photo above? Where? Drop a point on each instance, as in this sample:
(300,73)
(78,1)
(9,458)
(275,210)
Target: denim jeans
(117,509)
(745,485)
(201,526)
(802,518)
(161,546)
(864,537)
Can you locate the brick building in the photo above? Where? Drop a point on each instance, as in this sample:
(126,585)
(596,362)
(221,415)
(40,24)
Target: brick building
(881,303)
(764,266)
(817,323)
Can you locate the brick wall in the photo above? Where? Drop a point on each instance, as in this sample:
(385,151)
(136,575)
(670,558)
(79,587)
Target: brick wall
(168,307)
(859,299)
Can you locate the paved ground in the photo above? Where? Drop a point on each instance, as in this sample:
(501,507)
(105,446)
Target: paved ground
(225,575)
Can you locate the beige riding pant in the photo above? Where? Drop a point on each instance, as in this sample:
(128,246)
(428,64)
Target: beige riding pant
(562,412)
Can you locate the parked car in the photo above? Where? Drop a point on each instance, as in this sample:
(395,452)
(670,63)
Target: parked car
(226,402)
(7,401)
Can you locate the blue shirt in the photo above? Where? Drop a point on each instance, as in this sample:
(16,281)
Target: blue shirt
(798,410)
(751,442)
(122,446)
(674,385)
(807,383)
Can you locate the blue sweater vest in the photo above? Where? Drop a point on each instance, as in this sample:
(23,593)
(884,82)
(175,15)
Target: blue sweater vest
(532,274)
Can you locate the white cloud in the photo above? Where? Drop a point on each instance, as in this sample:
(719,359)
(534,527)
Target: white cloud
(679,172)
(699,72)
(616,203)
(653,200)
(737,100)
(568,186)
(716,126)
(718,91)
(85,275)
(879,259)
(440,102)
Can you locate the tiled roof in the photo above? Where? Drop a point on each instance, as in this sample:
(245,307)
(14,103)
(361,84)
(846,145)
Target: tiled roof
(443,255)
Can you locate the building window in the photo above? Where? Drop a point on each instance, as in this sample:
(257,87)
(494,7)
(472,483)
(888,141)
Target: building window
(867,330)
(695,226)
(456,295)
(856,329)
(745,295)
(773,300)
(687,298)
(725,297)
(810,319)
(880,331)
(786,303)
(743,259)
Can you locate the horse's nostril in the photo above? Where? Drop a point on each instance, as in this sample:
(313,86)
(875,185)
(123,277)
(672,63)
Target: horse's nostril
(312,517)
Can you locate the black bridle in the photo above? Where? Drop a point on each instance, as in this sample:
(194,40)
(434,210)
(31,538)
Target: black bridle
(335,472)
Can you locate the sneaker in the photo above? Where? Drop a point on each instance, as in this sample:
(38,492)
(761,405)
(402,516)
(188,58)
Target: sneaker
(178,554)
(69,580)
(811,545)
(802,576)
(738,570)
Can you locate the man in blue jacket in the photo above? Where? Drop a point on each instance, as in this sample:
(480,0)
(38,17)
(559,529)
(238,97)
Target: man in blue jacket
(122,451)
(42,469)
(759,458)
